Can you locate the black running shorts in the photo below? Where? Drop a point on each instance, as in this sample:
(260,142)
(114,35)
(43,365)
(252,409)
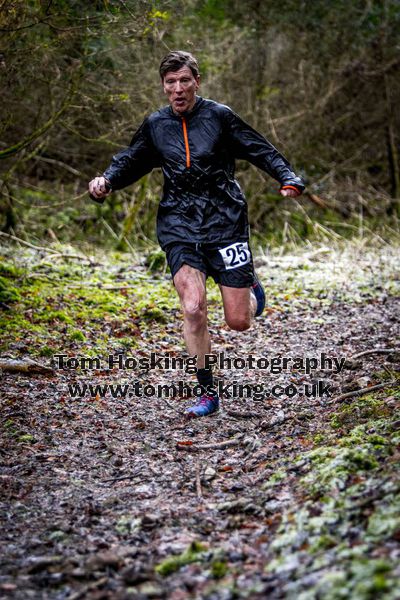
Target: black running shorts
(230,265)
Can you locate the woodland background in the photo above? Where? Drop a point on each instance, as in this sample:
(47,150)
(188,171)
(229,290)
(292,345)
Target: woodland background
(319,78)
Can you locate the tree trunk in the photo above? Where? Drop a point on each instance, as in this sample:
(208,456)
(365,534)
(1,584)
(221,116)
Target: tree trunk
(392,152)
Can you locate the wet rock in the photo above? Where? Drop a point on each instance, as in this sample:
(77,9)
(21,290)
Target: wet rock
(362,382)
(278,417)
(236,556)
(208,474)
(145,491)
(151,590)
(102,560)
(40,563)
(235,506)
(352,365)
(272,506)
(394,357)
(78,573)
(136,573)
(149,521)
(56,578)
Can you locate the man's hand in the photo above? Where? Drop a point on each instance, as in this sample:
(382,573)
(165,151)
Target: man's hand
(99,187)
(290,191)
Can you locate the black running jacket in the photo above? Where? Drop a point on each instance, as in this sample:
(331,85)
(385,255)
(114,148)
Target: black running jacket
(202,202)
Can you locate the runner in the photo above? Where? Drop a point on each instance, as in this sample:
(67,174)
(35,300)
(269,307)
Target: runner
(202,222)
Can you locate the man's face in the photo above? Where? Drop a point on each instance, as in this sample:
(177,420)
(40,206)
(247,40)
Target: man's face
(181,87)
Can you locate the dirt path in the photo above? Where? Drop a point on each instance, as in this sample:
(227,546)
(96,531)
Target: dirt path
(115,498)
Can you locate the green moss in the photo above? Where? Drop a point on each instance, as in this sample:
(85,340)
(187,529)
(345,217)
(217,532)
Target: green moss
(8,292)
(156,261)
(363,580)
(17,326)
(26,438)
(364,407)
(55,315)
(161,296)
(344,482)
(275,479)
(128,342)
(360,436)
(385,521)
(154,313)
(323,543)
(47,351)
(331,467)
(73,295)
(219,569)
(335,422)
(127,524)
(57,536)
(8,270)
(77,335)
(173,563)
(97,302)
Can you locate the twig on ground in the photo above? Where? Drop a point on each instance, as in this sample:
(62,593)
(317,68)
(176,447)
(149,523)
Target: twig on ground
(375,351)
(271,424)
(389,372)
(51,251)
(24,366)
(74,256)
(88,588)
(17,239)
(226,444)
(199,491)
(363,391)
(171,406)
(115,479)
(106,286)
(42,276)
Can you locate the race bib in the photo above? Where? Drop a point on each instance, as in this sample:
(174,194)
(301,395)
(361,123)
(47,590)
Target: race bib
(235,255)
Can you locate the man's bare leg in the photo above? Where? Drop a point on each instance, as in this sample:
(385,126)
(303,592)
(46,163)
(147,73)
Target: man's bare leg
(191,287)
(239,307)
(190,284)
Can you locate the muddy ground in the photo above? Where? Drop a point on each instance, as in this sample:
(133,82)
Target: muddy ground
(280,496)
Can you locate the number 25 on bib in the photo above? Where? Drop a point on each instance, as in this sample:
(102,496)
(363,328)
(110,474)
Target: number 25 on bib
(235,255)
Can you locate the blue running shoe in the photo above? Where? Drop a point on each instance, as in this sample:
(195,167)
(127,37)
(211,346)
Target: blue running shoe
(259,293)
(205,405)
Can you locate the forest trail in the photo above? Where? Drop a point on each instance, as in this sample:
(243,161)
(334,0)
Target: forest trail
(278,497)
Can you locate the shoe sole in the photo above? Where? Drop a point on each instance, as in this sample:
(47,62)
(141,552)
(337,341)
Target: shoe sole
(192,415)
(263,299)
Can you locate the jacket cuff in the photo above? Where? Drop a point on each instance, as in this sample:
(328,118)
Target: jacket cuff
(292,187)
(109,179)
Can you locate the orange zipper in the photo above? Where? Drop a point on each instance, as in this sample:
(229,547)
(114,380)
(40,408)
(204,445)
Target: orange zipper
(185,137)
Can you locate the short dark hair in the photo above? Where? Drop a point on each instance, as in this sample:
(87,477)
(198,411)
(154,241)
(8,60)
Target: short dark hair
(175,60)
